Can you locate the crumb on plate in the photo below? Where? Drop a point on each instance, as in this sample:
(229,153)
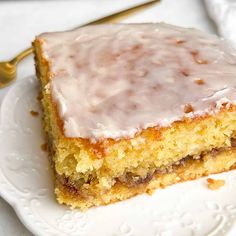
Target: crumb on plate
(44,147)
(34,113)
(39,96)
(215,184)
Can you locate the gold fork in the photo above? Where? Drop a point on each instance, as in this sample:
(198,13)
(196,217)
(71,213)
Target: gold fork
(8,68)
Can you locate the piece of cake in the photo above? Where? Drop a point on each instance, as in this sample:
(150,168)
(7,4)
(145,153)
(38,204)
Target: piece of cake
(129,108)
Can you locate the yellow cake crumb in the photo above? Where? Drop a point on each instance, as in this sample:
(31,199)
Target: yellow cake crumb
(34,113)
(215,184)
(44,147)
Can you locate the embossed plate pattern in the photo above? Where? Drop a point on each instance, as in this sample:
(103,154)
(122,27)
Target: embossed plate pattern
(26,182)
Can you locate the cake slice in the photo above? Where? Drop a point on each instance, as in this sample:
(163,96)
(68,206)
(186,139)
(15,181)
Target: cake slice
(129,108)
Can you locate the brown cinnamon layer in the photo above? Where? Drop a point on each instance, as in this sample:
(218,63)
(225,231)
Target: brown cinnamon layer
(188,169)
(130,180)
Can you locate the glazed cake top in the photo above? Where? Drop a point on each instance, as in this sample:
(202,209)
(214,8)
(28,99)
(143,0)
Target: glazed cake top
(111,81)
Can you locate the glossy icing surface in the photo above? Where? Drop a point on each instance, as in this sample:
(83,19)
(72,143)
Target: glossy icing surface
(111,81)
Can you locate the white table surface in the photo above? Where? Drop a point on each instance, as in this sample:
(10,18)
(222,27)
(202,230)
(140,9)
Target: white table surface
(21,20)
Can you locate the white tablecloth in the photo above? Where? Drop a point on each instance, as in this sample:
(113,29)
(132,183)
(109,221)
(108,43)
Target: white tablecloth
(21,20)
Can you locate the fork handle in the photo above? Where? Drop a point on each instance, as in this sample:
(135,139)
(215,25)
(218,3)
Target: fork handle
(22,55)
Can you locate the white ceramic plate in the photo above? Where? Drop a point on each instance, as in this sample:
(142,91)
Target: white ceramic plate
(26,183)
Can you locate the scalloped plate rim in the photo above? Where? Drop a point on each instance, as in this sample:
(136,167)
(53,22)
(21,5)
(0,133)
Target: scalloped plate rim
(3,193)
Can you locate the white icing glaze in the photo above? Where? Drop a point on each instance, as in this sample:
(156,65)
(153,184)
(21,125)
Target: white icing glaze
(111,81)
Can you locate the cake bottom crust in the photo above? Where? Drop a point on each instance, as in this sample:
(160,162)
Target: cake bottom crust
(189,169)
